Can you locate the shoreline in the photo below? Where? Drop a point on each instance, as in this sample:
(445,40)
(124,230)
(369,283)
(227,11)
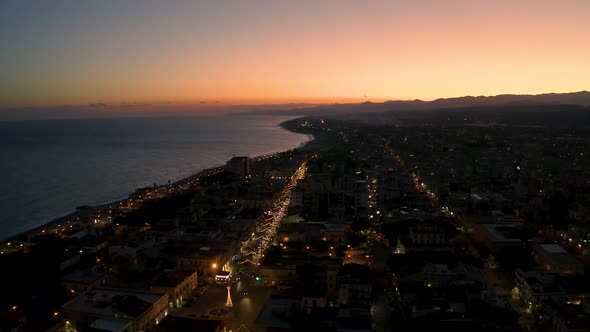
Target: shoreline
(85,210)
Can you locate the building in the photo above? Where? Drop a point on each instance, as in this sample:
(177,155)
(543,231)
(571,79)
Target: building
(263,200)
(206,261)
(354,292)
(479,203)
(280,313)
(140,309)
(335,233)
(552,257)
(308,232)
(238,165)
(423,237)
(579,233)
(440,269)
(568,317)
(69,260)
(354,319)
(535,287)
(503,236)
(80,281)
(223,276)
(177,284)
(427,234)
(284,268)
(312,297)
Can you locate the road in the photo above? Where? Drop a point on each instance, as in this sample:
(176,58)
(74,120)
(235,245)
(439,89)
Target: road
(246,308)
(254,248)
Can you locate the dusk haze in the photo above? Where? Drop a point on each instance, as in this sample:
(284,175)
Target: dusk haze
(69,53)
(295,165)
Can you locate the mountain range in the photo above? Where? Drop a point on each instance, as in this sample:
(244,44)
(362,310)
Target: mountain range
(581,98)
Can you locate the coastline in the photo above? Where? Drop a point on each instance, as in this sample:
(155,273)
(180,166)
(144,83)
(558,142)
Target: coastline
(85,211)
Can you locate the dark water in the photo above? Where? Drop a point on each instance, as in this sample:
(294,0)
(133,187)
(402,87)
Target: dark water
(50,167)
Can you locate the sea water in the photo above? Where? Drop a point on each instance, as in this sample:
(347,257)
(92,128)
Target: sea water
(49,167)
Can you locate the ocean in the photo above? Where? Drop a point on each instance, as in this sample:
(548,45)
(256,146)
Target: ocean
(49,167)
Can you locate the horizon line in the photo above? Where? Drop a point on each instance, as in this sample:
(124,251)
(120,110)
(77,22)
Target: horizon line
(237,102)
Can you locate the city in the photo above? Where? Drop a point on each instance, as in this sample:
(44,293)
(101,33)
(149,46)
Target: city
(451,225)
(295,166)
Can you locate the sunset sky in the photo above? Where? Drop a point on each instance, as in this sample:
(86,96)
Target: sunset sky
(79,52)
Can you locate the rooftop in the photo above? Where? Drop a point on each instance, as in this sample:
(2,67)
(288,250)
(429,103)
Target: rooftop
(552,248)
(277,312)
(172,279)
(502,232)
(106,302)
(282,260)
(84,277)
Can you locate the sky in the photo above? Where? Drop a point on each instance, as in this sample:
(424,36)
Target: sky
(270,51)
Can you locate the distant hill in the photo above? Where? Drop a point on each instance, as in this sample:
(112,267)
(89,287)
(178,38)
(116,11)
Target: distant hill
(581,98)
(573,98)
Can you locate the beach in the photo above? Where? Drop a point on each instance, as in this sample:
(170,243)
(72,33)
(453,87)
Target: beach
(56,175)
(87,213)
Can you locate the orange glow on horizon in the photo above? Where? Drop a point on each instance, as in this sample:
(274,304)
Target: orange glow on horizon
(295,52)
